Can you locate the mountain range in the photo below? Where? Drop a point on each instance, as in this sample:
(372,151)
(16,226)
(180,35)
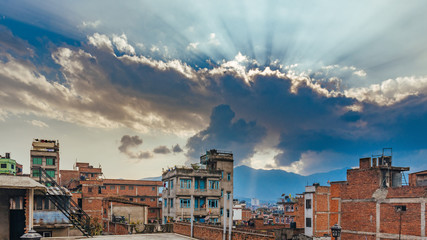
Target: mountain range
(269,185)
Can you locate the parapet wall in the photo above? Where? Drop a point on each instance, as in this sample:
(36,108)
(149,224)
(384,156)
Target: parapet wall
(211,232)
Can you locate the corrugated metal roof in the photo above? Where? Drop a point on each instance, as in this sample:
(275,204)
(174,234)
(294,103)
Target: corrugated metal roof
(57,191)
(19,182)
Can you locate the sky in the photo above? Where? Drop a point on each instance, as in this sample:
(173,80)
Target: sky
(140,86)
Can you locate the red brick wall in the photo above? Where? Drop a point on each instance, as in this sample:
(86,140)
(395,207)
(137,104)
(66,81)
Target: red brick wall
(361,183)
(208,232)
(411,224)
(67,176)
(299,212)
(358,216)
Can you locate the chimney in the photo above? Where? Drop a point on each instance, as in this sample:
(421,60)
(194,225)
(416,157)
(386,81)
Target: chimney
(8,155)
(365,163)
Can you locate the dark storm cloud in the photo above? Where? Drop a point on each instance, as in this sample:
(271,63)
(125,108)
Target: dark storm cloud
(223,133)
(177,149)
(129,143)
(161,150)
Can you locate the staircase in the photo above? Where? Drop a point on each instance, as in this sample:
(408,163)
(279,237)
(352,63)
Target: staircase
(61,198)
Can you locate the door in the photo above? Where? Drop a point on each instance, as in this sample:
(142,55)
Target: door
(17,223)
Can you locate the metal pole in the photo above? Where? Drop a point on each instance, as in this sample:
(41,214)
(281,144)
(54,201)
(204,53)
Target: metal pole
(192,212)
(224,213)
(230,219)
(400,223)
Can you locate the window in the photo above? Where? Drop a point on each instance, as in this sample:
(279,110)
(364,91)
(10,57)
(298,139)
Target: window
(213,203)
(171,184)
(228,213)
(308,204)
(186,183)
(222,174)
(228,195)
(221,211)
(153,189)
(130,187)
(308,222)
(151,210)
(166,202)
(171,201)
(36,173)
(215,220)
(37,161)
(229,176)
(112,187)
(131,199)
(213,184)
(3,165)
(39,203)
(142,199)
(50,161)
(153,199)
(50,173)
(122,187)
(89,189)
(185,203)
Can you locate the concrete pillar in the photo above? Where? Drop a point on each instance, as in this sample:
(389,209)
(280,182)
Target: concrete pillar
(192,214)
(30,208)
(224,213)
(230,219)
(378,220)
(423,219)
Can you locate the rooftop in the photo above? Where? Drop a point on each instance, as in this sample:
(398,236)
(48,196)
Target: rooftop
(19,182)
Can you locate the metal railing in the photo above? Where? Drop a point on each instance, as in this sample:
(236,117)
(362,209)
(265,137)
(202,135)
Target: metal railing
(59,197)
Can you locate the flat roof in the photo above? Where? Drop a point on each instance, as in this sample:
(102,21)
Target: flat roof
(19,182)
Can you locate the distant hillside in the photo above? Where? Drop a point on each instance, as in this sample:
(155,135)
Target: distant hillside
(271,184)
(152,178)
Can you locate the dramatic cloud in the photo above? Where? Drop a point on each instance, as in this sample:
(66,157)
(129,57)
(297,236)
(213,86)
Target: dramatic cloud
(177,149)
(318,112)
(121,43)
(225,134)
(162,150)
(131,142)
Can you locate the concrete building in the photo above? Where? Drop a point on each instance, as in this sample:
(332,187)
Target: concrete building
(16,205)
(119,215)
(241,214)
(208,183)
(9,166)
(375,204)
(44,154)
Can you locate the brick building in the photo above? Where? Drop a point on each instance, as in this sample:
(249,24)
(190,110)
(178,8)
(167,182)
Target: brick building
(288,207)
(90,189)
(208,183)
(373,203)
(317,211)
